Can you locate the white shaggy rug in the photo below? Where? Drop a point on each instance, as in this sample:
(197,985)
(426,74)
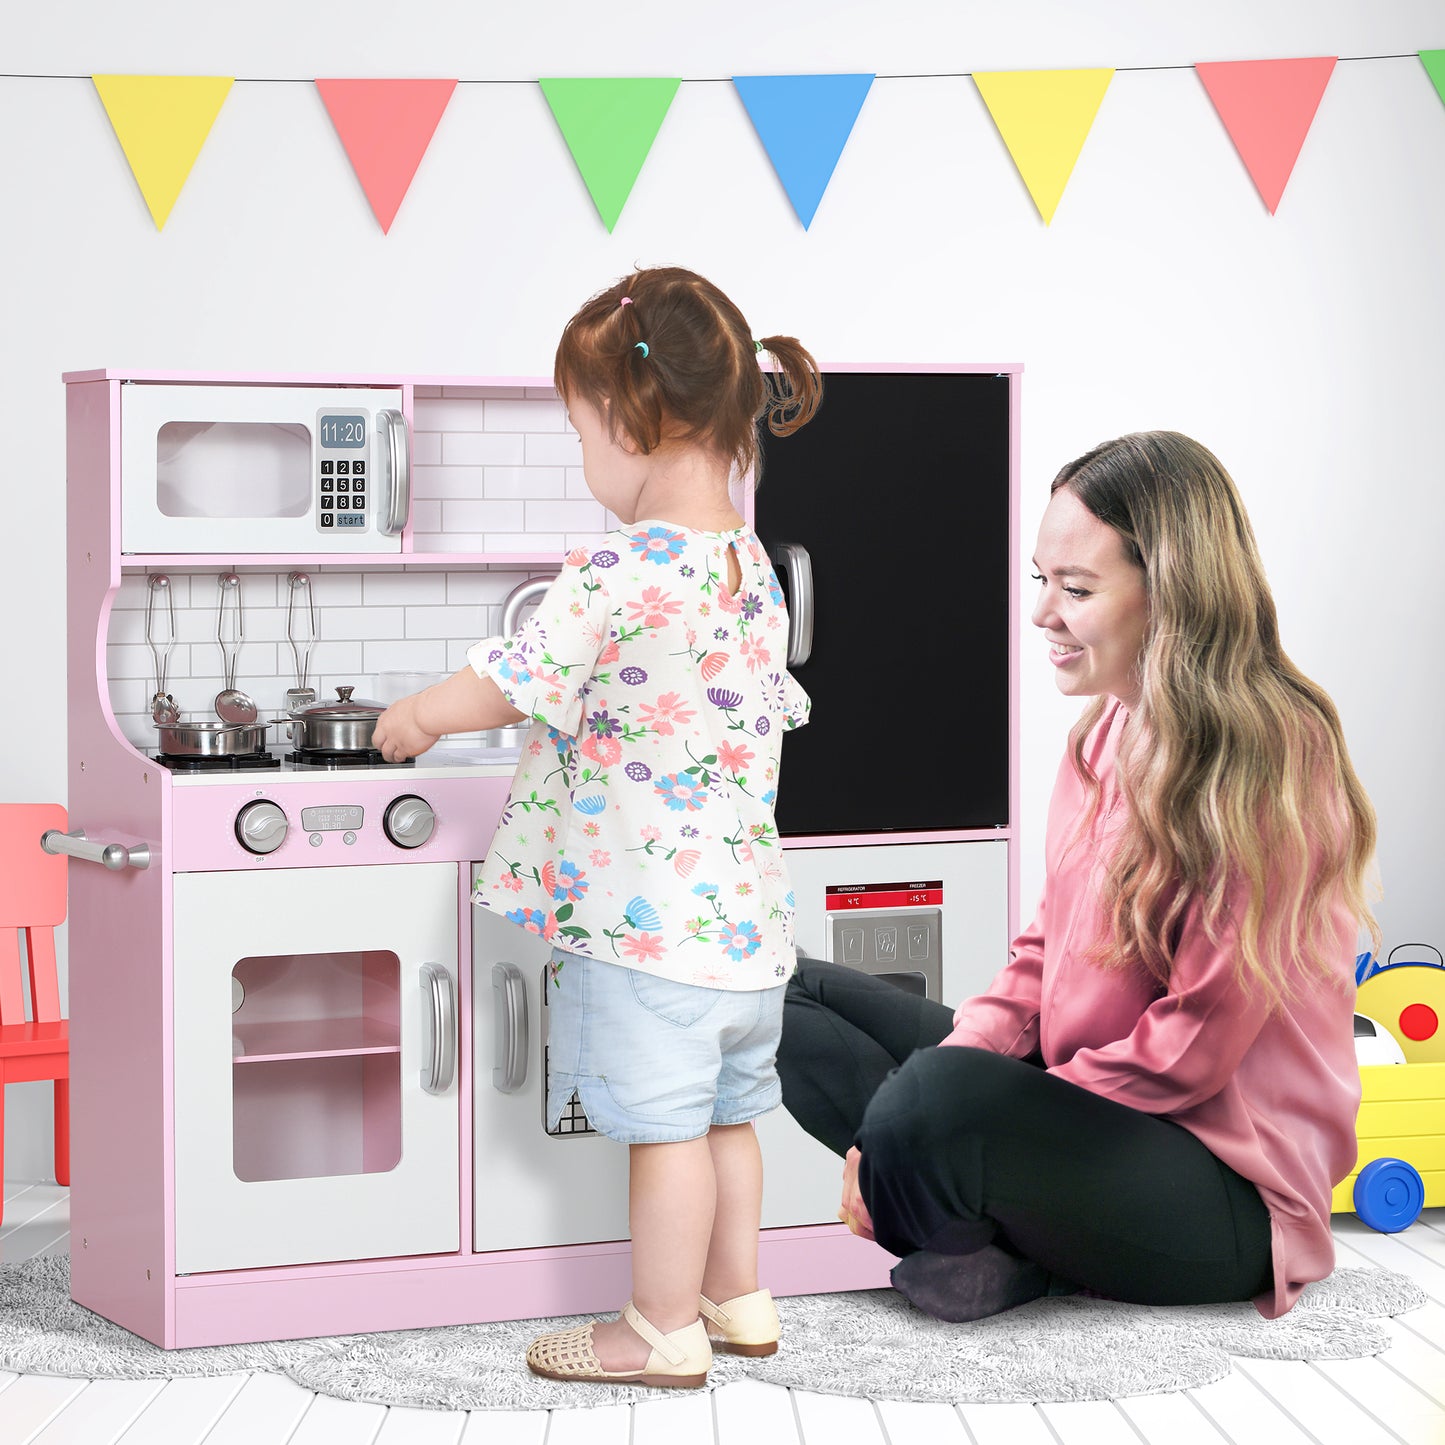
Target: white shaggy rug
(871,1343)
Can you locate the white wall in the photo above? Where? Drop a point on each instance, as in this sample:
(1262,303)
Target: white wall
(1306,349)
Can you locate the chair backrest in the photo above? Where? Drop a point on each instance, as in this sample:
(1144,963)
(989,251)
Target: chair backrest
(32,902)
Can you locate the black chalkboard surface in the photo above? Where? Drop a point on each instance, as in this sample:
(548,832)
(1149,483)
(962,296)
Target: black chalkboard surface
(899,491)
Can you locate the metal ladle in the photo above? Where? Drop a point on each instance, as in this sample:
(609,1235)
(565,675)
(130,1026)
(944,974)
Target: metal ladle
(232,705)
(163,705)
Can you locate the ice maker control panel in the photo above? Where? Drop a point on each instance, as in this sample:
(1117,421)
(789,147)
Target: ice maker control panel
(894,930)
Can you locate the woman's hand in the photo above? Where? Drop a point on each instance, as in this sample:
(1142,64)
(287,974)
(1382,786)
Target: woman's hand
(854,1213)
(397,735)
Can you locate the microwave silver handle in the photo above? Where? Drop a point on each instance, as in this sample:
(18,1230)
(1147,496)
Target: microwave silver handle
(439,1040)
(509,1004)
(797,565)
(396,502)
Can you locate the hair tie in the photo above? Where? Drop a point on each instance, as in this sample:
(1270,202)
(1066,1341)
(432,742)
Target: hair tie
(626,301)
(757,346)
(642,347)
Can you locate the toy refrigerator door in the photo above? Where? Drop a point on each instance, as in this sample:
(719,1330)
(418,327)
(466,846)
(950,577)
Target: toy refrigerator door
(531,1188)
(316,1100)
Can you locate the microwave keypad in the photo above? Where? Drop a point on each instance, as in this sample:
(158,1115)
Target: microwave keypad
(341,493)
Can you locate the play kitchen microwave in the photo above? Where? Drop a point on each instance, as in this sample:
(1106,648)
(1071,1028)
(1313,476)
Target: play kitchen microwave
(262,470)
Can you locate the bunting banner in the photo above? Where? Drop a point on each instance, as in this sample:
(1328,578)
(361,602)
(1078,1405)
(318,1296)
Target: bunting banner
(385,127)
(1044,117)
(1434,63)
(804,122)
(161,122)
(609,126)
(1267,107)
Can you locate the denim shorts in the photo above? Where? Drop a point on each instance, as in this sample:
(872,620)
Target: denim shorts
(656,1062)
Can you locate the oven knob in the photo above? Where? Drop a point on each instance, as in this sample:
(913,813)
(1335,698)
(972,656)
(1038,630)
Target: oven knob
(261,827)
(409,821)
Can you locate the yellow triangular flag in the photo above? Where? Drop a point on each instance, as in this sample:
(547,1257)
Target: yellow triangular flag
(1044,118)
(161,122)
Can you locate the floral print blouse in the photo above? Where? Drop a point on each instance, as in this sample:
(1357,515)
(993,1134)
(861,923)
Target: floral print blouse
(639,829)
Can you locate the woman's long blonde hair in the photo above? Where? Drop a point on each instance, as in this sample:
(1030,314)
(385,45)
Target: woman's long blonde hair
(1234,766)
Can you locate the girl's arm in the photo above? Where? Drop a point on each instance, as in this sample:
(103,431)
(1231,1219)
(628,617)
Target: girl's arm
(464,703)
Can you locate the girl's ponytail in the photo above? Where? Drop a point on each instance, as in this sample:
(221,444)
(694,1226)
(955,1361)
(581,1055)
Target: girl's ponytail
(794,386)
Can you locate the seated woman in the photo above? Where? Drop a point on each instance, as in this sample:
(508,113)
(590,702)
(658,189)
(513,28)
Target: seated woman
(1155,1097)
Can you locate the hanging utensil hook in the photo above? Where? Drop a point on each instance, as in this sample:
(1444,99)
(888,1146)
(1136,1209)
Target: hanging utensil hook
(301,634)
(232,705)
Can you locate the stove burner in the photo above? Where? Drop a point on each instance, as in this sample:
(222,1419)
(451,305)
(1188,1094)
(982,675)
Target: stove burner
(226,763)
(343,758)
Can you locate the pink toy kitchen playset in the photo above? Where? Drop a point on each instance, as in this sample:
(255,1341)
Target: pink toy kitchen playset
(308,1079)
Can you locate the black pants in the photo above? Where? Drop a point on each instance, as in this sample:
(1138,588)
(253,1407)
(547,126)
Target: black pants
(962,1148)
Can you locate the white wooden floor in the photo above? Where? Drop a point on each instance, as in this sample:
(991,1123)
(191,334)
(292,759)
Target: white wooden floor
(1397,1396)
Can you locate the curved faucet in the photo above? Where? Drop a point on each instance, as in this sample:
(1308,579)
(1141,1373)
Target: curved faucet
(529,591)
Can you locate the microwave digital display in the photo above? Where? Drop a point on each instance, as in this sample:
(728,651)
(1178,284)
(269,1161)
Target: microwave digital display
(343,431)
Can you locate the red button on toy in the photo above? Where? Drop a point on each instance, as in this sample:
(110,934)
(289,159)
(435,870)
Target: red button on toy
(1419,1022)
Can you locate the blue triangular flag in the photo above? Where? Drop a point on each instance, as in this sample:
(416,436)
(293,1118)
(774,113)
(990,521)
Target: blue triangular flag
(804,122)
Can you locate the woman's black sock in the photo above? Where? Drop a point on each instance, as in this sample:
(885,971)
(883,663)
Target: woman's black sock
(959,1287)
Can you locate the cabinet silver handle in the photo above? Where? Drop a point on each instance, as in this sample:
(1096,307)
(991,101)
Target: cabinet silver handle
(114,856)
(509,1004)
(798,565)
(396,505)
(439,1042)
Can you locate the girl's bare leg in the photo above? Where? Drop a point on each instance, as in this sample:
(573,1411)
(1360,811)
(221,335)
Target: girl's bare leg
(672,1199)
(732,1255)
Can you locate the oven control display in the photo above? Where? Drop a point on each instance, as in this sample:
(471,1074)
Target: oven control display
(342,480)
(336,818)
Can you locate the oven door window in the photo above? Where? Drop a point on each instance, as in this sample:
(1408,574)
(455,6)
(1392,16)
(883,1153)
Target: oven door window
(233,469)
(315,1065)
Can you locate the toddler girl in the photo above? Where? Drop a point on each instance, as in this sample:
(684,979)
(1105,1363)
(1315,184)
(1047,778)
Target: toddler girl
(639,836)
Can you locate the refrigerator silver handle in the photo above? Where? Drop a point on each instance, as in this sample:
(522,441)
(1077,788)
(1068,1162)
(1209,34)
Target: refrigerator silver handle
(439,1041)
(509,1004)
(114,856)
(396,502)
(793,558)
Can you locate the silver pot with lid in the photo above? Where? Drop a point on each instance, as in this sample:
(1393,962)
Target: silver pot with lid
(341,726)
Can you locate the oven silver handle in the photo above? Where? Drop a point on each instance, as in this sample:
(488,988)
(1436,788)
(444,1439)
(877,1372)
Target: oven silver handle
(798,565)
(509,1003)
(114,856)
(439,1042)
(396,505)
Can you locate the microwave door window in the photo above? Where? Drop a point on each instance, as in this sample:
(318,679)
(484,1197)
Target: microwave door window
(233,469)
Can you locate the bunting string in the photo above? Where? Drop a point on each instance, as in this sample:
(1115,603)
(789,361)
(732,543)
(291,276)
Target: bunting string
(803,121)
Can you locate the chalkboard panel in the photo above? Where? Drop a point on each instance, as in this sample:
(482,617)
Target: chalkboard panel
(899,491)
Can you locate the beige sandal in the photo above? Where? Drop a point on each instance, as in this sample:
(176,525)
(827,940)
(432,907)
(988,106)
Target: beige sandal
(679,1361)
(747,1325)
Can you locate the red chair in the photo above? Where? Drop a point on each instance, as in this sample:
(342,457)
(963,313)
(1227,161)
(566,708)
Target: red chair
(32,902)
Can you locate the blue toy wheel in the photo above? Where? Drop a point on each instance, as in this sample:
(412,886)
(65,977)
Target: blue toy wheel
(1389,1195)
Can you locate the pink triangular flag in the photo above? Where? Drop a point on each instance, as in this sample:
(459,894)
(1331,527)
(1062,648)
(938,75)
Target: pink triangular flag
(386,126)
(1267,107)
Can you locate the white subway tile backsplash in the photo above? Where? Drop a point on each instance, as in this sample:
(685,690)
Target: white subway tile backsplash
(412,655)
(525,416)
(447,414)
(538,543)
(564,449)
(448,481)
(364,623)
(552,516)
(426,516)
(426,449)
(443,622)
(487,449)
(523,481)
(501,515)
(404,589)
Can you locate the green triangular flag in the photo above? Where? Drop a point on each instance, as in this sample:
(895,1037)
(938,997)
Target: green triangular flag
(1434,63)
(609,126)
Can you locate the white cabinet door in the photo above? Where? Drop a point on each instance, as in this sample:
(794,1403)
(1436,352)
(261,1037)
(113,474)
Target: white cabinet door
(530,1188)
(314,1115)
